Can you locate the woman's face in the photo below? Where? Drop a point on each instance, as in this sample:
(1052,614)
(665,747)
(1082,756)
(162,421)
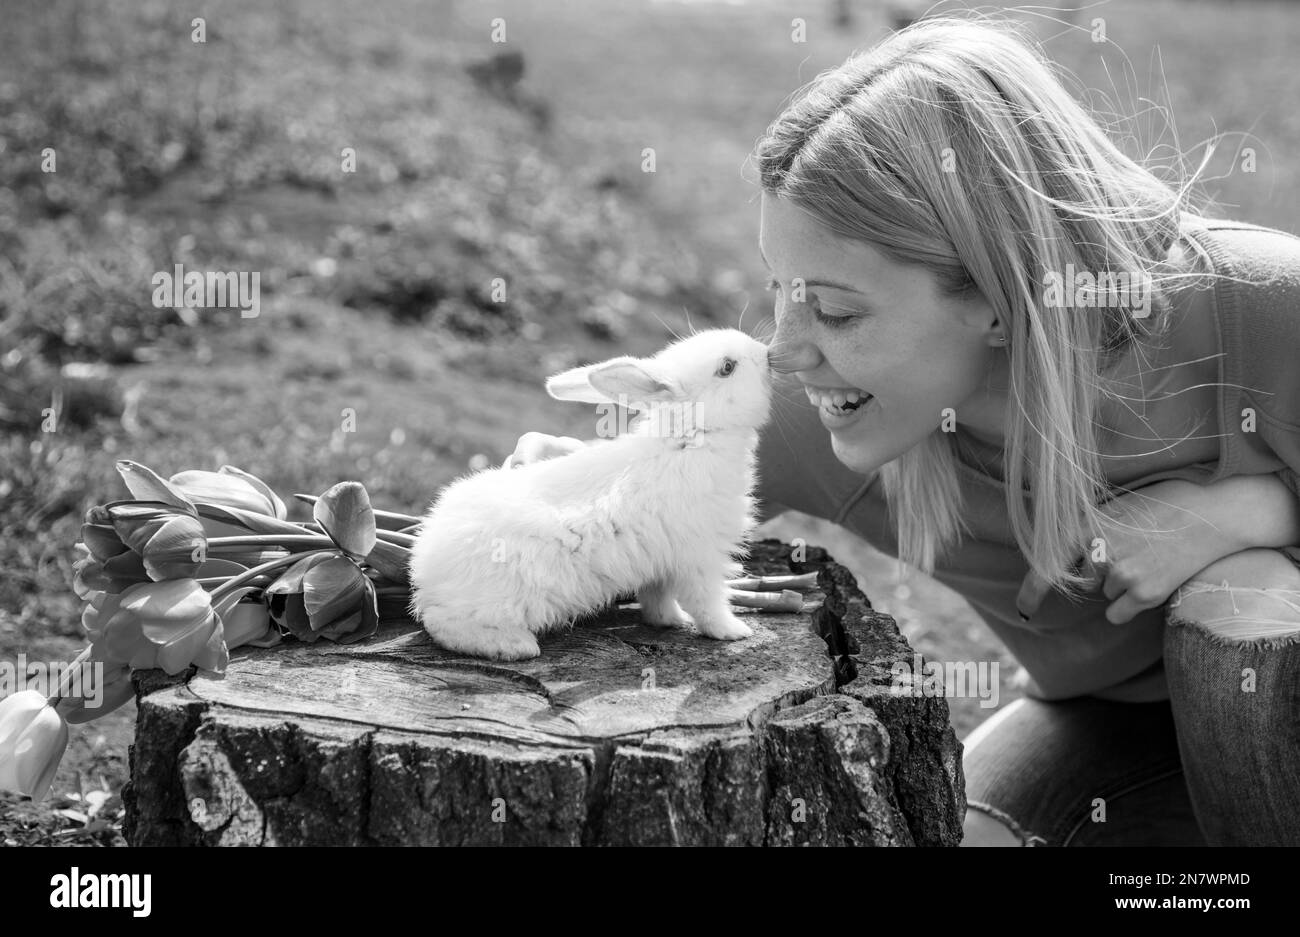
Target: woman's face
(867,323)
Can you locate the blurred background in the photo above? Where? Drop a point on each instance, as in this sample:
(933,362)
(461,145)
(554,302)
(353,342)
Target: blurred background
(475,159)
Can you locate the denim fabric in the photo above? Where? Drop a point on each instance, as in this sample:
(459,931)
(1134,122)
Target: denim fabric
(1218,763)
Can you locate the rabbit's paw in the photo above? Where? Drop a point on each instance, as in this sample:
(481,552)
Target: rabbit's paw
(664,613)
(723,627)
(492,643)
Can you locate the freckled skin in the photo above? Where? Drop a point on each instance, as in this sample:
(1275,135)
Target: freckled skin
(915,349)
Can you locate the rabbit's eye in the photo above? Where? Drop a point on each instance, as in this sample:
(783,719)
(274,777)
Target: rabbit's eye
(728,365)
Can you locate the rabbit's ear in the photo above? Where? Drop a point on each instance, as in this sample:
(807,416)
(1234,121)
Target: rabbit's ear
(573,385)
(631,379)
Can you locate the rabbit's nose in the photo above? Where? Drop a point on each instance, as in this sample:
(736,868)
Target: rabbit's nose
(785,358)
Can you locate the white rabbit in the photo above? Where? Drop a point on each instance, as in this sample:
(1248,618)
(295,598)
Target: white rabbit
(506,554)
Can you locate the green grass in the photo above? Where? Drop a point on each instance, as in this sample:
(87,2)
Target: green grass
(376,285)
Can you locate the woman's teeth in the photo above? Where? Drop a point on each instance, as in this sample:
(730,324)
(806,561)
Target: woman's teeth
(839,400)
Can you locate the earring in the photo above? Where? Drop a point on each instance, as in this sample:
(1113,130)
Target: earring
(1002,339)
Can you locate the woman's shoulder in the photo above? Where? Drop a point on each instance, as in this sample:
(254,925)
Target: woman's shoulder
(1257,298)
(1254,254)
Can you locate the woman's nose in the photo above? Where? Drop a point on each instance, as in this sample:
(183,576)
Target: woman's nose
(786,356)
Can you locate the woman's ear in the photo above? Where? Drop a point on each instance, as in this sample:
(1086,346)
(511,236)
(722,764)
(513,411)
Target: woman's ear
(995,330)
(976,314)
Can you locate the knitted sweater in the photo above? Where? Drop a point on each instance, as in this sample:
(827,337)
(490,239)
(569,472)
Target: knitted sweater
(1223,400)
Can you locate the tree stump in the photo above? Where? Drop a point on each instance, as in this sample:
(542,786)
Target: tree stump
(620,733)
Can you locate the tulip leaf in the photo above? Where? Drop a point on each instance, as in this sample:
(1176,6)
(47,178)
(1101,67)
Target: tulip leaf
(147,485)
(345,515)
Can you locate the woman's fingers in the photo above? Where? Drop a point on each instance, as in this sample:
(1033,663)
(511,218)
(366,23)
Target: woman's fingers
(1033,590)
(536,447)
(1125,607)
(1090,566)
(1113,588)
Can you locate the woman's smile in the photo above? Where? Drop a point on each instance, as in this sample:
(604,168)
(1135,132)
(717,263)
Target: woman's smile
(839,407)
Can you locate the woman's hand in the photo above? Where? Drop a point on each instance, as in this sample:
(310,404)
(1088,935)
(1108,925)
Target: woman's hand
(536,447)
(1164,534)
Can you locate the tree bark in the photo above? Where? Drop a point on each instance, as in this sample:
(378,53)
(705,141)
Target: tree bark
(619,733)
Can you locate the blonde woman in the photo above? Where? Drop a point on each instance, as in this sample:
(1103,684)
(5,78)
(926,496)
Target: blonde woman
(1033,370)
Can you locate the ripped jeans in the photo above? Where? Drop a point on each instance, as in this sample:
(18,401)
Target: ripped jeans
(1218,763)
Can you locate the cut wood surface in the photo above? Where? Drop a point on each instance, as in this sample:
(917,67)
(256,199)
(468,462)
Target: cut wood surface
(619,733)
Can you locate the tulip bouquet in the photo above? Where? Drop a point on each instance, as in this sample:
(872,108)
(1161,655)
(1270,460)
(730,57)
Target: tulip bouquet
(194,566)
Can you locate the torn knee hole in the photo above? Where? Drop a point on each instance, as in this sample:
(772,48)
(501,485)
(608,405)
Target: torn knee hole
(1237,613)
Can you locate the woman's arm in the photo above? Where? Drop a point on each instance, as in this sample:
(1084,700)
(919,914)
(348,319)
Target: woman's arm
(1164,534)
(1256,511)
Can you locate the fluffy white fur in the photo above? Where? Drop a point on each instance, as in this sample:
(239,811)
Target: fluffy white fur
(506,554)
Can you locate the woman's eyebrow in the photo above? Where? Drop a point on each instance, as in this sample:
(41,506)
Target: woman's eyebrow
(830,284)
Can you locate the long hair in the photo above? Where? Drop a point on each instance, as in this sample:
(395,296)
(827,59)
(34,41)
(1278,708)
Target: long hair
(953,144)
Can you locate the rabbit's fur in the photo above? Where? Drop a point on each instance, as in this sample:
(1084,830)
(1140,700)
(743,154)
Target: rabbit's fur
(506,554)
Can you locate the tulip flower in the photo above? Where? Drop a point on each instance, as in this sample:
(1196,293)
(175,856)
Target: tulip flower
(146,485)
(169,625)
(248,623)
(170,543)
(33,737)
(325,596)
(345,515)
(232,488)
(91,575)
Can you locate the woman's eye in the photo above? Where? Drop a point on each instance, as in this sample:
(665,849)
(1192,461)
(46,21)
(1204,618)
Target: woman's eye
(773,285)
(832,321)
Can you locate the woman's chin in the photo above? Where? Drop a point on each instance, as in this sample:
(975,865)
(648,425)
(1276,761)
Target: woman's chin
(865,452)
(861,457)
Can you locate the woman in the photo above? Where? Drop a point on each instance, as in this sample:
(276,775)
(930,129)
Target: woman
(981,295)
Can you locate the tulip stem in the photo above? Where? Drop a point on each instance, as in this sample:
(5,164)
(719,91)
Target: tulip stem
(275,540)
(389,536)
(222,580)
(57,695)
(243,578)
